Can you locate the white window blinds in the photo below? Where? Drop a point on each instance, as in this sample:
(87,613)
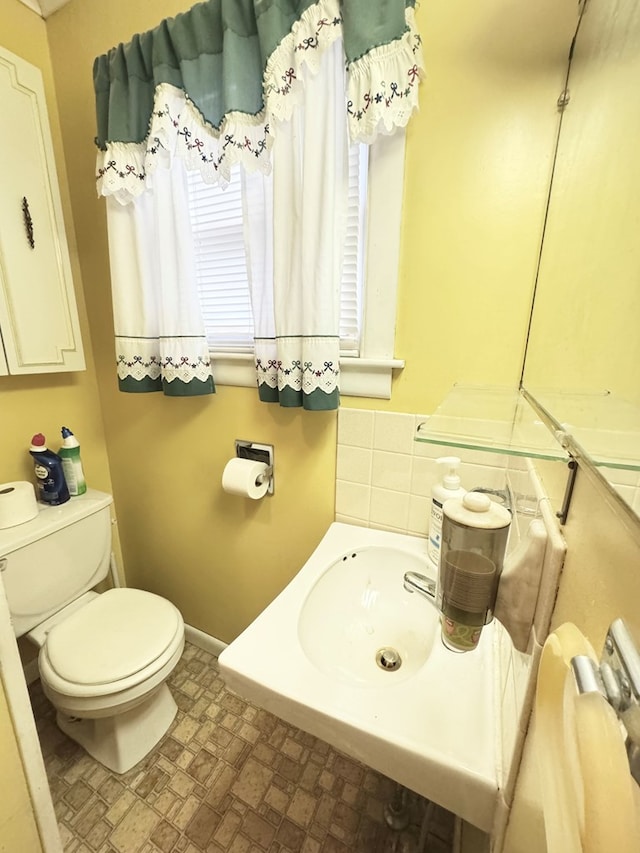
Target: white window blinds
(216,220)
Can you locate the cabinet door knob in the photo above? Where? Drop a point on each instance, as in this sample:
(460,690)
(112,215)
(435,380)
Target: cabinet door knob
(28,222)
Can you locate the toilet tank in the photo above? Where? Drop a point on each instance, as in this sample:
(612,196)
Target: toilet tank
(49,561)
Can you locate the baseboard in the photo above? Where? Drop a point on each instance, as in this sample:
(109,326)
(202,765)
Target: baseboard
(204,641)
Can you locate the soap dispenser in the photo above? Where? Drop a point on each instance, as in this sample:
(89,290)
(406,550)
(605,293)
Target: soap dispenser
(449,488)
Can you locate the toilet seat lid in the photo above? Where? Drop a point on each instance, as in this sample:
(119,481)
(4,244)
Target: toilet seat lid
(112,637)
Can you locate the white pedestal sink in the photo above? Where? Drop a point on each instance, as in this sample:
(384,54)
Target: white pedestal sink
(357,623)
(432,723)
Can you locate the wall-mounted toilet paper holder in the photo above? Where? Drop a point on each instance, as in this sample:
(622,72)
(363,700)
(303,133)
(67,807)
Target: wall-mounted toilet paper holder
(258,453)
(617,678)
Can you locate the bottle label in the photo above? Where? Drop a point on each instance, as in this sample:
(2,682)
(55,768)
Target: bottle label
(50,481)
(70,476)
(435,532)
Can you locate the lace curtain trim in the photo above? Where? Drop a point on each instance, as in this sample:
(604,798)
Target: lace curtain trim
(281,365)
(382,94)
(177,130)
(183,359)
(382,86)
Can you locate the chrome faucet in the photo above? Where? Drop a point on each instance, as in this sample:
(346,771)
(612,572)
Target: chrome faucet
(415,582)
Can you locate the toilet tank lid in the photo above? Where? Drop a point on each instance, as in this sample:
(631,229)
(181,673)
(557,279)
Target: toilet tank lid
(52,518)
(114,636)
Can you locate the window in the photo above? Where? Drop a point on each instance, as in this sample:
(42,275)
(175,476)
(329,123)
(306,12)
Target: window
(216,221)
(217,225)
(368,294)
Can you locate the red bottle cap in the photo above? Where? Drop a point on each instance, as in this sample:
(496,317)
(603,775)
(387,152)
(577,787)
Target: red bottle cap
(38,440)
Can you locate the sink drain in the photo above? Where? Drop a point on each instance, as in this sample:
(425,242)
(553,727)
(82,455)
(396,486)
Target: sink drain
(388,659)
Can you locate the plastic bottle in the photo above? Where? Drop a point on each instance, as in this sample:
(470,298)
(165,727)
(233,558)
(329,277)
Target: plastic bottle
(449,488)
(71,463)
(50,482)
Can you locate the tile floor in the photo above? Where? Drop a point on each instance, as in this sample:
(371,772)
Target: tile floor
(227,778)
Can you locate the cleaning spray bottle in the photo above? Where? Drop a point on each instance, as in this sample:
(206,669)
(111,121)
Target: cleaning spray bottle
(71,463)
(50,482)
(449,488)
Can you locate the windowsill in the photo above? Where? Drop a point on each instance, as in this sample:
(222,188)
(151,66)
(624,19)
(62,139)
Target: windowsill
(359,377)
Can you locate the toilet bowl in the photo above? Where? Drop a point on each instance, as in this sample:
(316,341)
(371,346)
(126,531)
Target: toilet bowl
(104,667)
(104,658)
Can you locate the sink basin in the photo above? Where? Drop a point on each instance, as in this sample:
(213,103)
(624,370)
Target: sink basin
(358,624)
(433,724)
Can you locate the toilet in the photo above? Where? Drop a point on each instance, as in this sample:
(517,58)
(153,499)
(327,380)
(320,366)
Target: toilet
(104,658)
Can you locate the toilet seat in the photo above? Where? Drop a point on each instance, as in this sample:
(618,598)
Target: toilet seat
(117,641)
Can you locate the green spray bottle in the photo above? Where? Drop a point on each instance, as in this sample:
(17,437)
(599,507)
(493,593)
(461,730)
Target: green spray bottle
(71,463)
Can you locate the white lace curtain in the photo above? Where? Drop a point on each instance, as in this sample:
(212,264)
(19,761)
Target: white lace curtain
(307,108)
(295,268)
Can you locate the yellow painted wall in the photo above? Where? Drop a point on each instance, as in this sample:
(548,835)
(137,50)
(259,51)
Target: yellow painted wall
(591,242)
(478,162)
(220,559)
(41,404)
(477,171)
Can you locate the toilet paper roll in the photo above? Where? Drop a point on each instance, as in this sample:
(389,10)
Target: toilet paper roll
(240,477)
(17,503)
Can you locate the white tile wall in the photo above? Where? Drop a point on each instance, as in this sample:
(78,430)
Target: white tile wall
(355,427)
(384,477)
(384,480)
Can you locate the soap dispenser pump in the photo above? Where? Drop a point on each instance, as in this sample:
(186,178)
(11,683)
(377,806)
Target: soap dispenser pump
(442,491)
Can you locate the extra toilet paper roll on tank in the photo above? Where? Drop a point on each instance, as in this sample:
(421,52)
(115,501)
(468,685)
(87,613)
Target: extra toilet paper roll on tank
(240,477)
(17,503)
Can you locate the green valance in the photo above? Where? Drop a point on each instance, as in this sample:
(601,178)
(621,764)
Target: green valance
(216,52)
(210,84)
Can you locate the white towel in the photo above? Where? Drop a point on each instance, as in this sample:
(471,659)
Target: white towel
(520,583)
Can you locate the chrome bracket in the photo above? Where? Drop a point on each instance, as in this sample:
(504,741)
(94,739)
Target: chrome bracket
(258,453)
(617,678)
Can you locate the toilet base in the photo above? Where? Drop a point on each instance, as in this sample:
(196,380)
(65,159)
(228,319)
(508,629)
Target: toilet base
(121,741)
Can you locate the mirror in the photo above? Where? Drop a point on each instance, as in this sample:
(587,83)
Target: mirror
(582,363)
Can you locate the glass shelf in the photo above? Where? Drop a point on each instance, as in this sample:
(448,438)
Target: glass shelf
(606,428)
(498,420)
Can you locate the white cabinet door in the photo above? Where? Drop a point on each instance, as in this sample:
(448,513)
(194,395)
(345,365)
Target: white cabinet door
(38,315)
